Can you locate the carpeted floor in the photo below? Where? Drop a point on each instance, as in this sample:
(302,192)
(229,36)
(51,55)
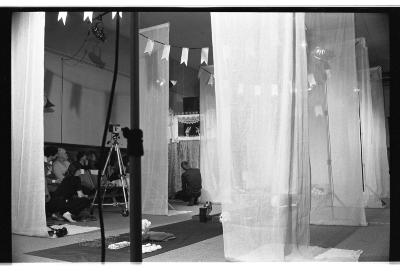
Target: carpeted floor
(187,233)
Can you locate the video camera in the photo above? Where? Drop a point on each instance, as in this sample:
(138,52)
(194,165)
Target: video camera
(114,128)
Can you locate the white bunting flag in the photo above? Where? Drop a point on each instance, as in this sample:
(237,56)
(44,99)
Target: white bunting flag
(211,80)
(165,53)
(149,47)
(63,16)
(318,111)
(114,13)
(88,15)
(204,55)
(173,82)
(185,54)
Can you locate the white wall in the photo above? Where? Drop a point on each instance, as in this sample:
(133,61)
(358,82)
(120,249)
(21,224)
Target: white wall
(85,94)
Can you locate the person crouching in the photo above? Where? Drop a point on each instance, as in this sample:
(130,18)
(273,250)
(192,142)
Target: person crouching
(191,184)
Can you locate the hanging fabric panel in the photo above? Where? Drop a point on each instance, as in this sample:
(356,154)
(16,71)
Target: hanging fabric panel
(208,138)
(372,190)
(186,150)
(153,83)
(379,140)
(335,150)
(262,134)
(27,79)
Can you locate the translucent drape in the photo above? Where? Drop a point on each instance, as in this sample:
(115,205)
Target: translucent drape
(208,137)
(335,150)
(27,75)
(262,133)
(186,150)
(153,82)
(372,190)
(379,140)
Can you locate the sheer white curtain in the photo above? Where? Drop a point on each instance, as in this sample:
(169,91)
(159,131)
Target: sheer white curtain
(208,137)
(154,82)
(379,126)
(27,81)
(372,190)
(335,150)
(262,133)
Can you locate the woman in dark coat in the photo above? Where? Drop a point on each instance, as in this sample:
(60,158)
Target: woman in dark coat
(69,199)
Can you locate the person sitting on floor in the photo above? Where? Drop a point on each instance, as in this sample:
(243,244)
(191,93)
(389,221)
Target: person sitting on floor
(61,164)
(82,159)
(87,181)
(50,154)
(191,184)
(69,198)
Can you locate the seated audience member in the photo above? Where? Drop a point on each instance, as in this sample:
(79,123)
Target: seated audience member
(191,184)
(61,164)
(81,157)
(92,160)
(87,180)
(69,198)
(50,154)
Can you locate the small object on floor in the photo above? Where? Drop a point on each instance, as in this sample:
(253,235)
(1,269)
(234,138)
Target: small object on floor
(159,236)
(119,245)
(147,248)
(58,232)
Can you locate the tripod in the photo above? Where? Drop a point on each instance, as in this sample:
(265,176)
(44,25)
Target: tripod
(122,177)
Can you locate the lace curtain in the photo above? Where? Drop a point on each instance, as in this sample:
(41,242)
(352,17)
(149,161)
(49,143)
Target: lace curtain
(335,150)
(27,79)
(154,120)
(208,138)
(260,70)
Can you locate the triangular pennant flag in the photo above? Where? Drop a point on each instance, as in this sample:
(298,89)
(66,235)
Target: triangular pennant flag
(165,53)
(149,47)
(211,80)
(88,15)
(63,16)
(318,111)
(185,54)
(114,13)
(204,55)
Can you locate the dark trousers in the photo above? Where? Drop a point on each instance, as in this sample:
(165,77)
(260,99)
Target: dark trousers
(74,205)
(187,196)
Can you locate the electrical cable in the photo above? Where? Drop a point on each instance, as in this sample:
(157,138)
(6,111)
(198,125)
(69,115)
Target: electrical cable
(102,156)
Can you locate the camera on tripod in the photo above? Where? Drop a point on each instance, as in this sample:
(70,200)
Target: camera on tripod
(114,128)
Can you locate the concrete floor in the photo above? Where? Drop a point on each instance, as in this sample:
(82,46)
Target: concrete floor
(372,239)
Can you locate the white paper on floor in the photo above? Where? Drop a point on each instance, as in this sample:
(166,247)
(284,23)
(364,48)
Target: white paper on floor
(146,248)
(177,212)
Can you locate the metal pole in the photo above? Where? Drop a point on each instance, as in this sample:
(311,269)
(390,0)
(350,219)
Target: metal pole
(135,195)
